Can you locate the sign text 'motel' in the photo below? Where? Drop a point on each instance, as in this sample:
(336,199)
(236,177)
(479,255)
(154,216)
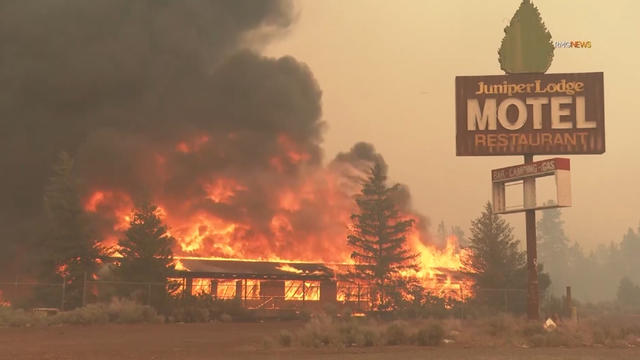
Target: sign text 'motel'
(530,114)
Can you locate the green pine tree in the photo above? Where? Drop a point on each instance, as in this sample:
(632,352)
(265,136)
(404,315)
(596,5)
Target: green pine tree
(378,239)
(629,253)
(146,254)
(526,46)
(495,261)
(554,249)
(628,293)
(69,249)
(497,265)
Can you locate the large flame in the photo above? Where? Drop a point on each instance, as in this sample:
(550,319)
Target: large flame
(303,220)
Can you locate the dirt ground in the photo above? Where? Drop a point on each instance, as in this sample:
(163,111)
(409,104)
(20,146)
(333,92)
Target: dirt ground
(238,341)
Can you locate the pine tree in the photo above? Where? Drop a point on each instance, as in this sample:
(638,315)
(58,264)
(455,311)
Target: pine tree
(497,265)
(69,248)
(526,46)
(495,261)
(628,293)
(629,253)
(442,234)
(554,248)
(146,252)
(459,234)
(378,239)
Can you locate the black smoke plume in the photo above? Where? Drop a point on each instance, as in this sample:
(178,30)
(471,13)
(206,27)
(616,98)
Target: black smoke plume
(158,100)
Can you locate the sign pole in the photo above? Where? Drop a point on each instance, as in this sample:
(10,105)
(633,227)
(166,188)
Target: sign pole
(529,187)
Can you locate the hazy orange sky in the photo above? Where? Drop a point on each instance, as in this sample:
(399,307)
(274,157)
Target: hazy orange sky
(387,72)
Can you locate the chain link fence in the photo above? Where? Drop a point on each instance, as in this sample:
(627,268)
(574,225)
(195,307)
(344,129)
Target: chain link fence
(252,293)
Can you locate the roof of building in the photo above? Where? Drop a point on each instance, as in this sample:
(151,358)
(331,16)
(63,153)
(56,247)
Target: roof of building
(247,269)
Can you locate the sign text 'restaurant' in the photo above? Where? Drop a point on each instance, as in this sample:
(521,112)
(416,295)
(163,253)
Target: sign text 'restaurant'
(530,114)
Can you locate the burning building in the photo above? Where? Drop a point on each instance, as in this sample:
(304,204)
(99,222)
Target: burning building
(269,284)
(291,285)
(172,103)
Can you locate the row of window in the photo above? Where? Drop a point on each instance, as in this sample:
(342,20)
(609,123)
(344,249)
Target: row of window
(294,290)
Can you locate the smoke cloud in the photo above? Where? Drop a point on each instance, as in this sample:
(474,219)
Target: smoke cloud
(169,101)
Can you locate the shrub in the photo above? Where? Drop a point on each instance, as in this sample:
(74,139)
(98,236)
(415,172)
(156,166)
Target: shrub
(537,340)
(350,333)
(127,311)
(532,329)
(118,311)
(501,325)
(285,339)
(320,331)
(203,308)
(16,317)
(430,335)
(369,338)
(87,315)
(396,333)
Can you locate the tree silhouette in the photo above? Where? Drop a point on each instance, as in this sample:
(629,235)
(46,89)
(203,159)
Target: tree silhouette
(378,239)
(554,248)
(146,252)
(70,248)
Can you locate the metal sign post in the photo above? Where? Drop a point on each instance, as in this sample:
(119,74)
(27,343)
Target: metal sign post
(529,190)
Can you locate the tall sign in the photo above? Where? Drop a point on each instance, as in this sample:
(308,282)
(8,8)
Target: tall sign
(530,114)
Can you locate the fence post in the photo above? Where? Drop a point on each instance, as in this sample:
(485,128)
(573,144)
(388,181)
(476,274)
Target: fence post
(64,286)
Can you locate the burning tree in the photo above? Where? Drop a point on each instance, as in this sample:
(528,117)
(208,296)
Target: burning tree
(146,251)
(69,249)
(379,242)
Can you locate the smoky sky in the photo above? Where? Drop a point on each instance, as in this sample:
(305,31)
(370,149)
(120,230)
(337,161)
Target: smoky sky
(158,99)
(102,79)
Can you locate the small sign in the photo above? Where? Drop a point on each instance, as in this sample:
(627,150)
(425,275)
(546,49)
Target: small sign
(535,169)
(530,114)
(560,168)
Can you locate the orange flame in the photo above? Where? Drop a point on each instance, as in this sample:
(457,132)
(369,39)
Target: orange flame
(304,220)
(222,190)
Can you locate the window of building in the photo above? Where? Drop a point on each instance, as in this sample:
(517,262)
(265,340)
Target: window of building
(301,290)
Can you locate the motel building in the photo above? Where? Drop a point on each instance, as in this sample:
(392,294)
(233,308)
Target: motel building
(271,285)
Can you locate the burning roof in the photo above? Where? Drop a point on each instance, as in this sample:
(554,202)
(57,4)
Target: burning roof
(245,269)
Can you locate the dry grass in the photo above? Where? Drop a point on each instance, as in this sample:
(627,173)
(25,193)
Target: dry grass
(340,333)
(507,330)
(117,311)
(496,331)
